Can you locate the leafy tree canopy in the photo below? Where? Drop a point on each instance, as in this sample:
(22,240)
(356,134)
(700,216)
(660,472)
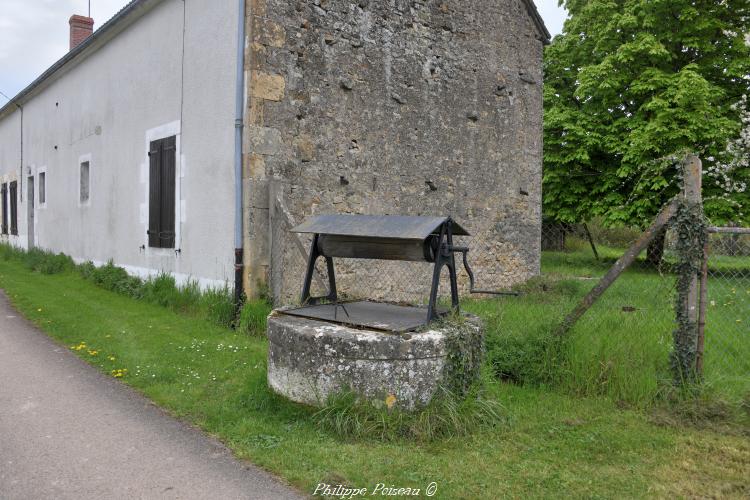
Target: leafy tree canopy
(630,87)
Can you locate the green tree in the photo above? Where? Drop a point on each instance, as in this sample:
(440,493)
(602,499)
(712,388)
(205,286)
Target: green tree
(630,87)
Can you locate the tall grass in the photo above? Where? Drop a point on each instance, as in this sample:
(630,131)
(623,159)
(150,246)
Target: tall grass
(252,317)
(446,416)
(112,278)
(38,260)
(620,347)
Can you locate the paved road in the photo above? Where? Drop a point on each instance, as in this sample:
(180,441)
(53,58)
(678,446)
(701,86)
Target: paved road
(69,431)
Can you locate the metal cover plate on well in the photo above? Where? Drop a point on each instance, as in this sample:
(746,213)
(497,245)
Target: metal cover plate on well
(403,227)
(366,314)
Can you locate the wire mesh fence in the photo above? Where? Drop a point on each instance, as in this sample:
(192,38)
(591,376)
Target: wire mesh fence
(393,281)
(622,346)
(727,337)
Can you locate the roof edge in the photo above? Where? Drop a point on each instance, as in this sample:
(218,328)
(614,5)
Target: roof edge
(537,18)
(125,12)
(103,31)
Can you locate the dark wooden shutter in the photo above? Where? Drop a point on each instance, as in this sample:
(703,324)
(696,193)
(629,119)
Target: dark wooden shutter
(4,208)
(169,149)
(14,207)
(162,178)
(154,157)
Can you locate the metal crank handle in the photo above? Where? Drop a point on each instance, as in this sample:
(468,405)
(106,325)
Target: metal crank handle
(465,251)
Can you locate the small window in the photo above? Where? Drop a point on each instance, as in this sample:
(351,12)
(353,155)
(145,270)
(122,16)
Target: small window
(42,188)
(14,207)
(85,182)
(4,207)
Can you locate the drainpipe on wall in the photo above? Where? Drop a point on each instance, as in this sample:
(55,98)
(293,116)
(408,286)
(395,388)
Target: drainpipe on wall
(20,178)
(238,125)
(21,109)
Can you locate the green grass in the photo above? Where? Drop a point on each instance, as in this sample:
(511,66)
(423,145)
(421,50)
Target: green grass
(552,443)
(620,348)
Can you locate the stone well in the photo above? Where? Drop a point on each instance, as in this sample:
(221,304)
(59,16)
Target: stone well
(309,360)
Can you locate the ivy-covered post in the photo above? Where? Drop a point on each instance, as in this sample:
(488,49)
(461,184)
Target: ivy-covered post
(693,186)
(690,227)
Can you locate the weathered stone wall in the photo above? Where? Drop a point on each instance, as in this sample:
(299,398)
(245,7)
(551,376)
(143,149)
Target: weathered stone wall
(397,107)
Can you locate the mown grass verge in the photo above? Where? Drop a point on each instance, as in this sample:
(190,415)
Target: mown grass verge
(215,378)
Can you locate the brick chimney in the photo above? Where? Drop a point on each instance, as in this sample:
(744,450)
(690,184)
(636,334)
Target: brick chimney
(81,28)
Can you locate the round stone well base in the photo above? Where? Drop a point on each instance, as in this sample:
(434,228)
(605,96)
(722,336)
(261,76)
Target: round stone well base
(310,360)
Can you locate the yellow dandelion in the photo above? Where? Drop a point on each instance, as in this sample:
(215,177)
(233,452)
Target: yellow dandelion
(111,358)
(93,352)
(390,401)
(40,309)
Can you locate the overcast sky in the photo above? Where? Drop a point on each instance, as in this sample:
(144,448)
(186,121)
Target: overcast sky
(34,34)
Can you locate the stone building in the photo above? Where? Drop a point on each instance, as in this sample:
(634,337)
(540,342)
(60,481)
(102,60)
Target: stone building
(395,107)
(188,136)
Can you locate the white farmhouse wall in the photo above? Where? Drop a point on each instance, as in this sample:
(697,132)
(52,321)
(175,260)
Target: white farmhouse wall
(145,83)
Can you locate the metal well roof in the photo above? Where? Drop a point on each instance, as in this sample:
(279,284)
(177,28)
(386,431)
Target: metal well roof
(404,227)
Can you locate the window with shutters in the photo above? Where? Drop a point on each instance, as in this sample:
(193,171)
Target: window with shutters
(161,198)
(13,202)
(4,207)
(85,182)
